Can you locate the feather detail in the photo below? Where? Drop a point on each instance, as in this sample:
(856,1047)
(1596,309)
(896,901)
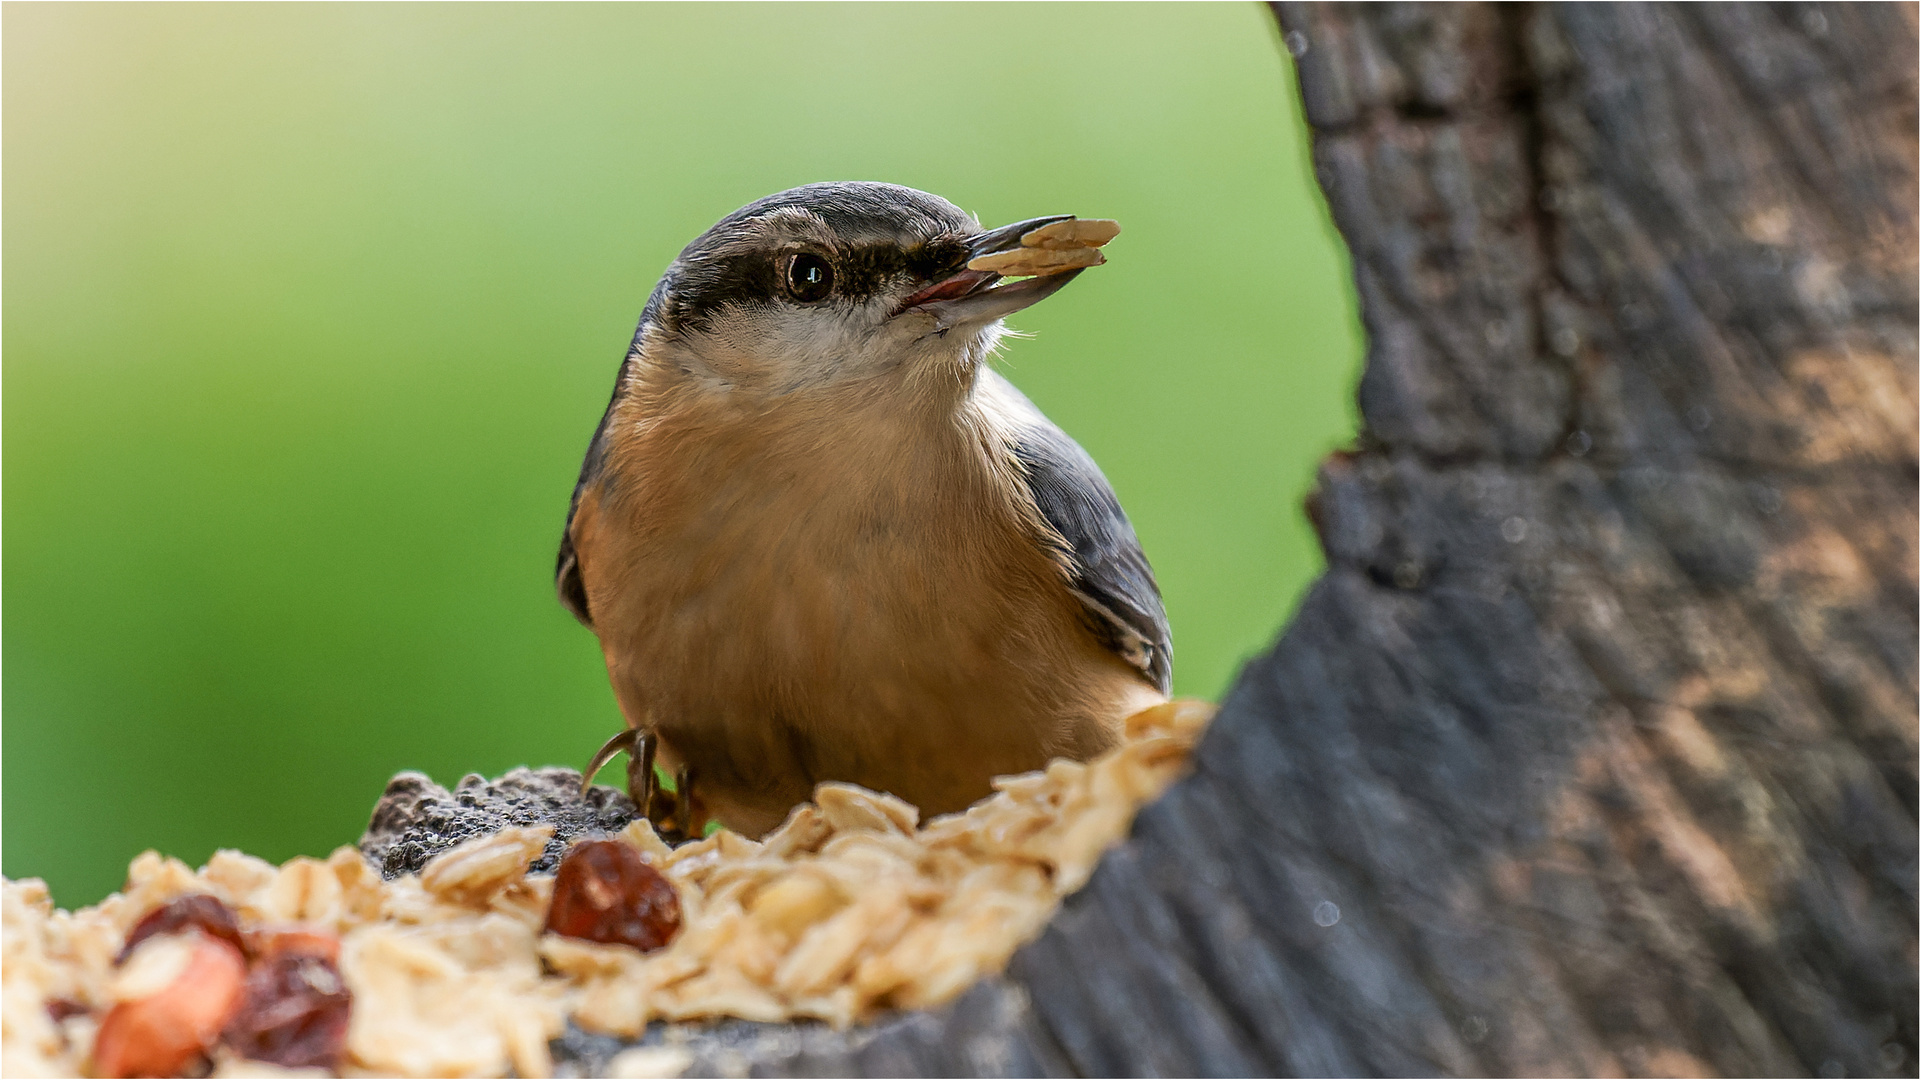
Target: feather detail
(1108,573)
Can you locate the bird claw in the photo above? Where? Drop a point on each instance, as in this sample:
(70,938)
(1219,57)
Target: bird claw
(673,814)
(623,741)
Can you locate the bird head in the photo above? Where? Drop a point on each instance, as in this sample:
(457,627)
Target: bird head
(834,284)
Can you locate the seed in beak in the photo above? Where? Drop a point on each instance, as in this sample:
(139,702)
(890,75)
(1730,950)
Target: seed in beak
(1073,233)
(1037,261)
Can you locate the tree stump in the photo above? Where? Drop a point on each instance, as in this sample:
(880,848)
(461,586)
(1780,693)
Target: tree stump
(1594,751)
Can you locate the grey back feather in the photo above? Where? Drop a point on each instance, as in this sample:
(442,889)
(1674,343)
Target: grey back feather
(1111,576)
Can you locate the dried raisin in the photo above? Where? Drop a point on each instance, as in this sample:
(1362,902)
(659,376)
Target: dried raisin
(604,892)
(198,912)
(295,1009)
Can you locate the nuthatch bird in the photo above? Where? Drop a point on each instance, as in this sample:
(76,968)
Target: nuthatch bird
(820,539)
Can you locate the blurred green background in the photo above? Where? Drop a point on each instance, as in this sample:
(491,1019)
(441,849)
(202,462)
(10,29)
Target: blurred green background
(311,309)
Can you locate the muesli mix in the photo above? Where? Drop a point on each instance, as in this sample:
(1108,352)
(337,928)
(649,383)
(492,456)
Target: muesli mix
(850,908)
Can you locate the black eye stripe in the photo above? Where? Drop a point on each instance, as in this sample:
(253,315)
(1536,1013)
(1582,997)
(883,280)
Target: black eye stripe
(705,288)
(867,268)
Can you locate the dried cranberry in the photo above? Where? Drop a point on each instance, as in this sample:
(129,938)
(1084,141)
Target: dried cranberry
(61,1008)
(294,1012)
(164,1032)
(197,912)
(604,892)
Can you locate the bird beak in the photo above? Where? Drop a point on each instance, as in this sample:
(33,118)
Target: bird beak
(973,296)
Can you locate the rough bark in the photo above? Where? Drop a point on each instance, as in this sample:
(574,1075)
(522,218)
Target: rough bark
(1608,699)
(417,819)
(1594,750)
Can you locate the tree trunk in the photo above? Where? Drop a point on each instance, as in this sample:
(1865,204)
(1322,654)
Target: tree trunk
(1594,751)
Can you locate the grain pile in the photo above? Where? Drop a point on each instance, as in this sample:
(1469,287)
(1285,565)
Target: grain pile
(850,908)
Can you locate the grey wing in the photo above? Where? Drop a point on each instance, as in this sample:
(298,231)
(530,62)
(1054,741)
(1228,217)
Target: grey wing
(1111,576)
(567,583)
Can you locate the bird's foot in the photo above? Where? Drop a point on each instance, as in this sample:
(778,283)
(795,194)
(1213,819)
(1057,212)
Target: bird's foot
(675,814)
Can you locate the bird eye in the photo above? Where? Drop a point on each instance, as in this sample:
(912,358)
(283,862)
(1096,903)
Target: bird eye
(809,277)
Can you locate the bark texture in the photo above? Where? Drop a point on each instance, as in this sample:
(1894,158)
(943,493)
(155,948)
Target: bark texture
(417,819)
(1595,749)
